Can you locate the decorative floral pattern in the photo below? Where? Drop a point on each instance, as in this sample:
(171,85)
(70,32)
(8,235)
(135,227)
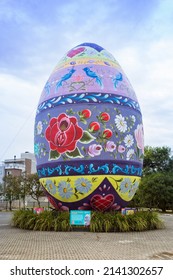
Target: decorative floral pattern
(63,133)
(125,185)
(99,192)
(139,135)
(39,127)
(128,140)
(83,185)
(121,124)
(89,142)
(121,149)
(133,189)
(130,154)
(64,189)
(110,146)
(50,187)
(88,134)
(94,150)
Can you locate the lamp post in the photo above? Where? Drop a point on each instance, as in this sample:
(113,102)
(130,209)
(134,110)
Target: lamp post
(23,193)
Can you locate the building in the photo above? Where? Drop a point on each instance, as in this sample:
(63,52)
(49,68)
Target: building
(2,172)
(16,166)
(31,157)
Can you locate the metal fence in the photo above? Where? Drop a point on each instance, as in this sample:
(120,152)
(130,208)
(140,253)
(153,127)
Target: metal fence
(18,204)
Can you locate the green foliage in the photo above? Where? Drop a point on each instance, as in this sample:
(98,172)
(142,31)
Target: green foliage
(156,191)
(34,188)
(153,221)
(116,222)
(11,189)
(122,223)
(16,187)
(44,221)
(24,219)
(156,187)
(157,159)
(100,222)
(61,222)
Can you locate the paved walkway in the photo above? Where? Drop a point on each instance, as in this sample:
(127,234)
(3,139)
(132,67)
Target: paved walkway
(18,244)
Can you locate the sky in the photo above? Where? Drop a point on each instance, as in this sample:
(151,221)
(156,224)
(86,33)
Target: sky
(35,35)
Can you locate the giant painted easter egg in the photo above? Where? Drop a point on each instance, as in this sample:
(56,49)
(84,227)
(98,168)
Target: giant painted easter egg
(88,133)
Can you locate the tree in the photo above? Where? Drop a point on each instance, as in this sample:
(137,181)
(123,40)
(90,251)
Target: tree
(156,190)
(1,189)
(156,187)
(11,189)
(24,190)
(34,187)
(157,159)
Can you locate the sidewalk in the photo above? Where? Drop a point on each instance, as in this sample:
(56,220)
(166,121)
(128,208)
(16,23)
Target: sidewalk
(18,244)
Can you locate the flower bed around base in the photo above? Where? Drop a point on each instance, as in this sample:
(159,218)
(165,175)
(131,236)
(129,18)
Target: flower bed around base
(100,222)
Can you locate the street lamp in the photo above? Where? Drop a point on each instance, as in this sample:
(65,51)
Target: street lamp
(23,193)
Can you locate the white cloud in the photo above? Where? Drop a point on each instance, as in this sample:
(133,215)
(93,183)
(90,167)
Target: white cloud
(19,100)
(150,72)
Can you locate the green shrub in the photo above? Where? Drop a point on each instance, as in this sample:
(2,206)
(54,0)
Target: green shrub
(153,221)
(122,222)
(61,221)
(44,221)
(100,222)
(21,218)
(137,222)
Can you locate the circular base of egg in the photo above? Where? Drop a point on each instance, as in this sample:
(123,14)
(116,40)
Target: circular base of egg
(88,133)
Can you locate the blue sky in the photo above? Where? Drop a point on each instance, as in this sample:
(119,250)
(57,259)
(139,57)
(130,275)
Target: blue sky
(35,34)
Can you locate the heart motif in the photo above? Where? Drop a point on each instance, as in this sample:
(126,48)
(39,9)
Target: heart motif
(77,86)
(75,52)
(102,203)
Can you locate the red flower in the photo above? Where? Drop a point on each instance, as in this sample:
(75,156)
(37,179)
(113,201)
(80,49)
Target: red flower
(105,117)
(63,133)
(74,52)
(94,126)
(86,113)
(107,133)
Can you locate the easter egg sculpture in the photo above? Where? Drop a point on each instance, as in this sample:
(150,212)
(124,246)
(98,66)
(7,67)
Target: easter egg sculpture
(89,143)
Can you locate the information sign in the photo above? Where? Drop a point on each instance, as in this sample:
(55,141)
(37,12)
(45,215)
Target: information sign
(80,217)
(128,211)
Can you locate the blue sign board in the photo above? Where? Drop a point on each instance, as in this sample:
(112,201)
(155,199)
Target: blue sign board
(80,217)
(128,211)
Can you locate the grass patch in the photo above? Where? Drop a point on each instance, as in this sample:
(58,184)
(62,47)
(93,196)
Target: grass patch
(100,222)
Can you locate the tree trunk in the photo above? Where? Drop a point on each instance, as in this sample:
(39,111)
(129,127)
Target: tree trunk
(38,202)
(6,206)
(10,205)
(24,203)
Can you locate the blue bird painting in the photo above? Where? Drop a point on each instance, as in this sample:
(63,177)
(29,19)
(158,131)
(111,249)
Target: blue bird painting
(93,75)
(118,78)
(65,78)
(47,88)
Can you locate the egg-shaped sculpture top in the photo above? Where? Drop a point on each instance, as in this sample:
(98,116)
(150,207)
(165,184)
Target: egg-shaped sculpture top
(89,141)
(81,63)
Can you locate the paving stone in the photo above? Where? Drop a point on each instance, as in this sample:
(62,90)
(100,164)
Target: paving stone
(18,244)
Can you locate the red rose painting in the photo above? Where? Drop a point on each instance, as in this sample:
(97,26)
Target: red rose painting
(63,133)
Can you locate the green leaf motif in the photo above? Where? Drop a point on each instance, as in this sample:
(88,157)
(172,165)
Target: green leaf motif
(75,154)
(53,155)
(87,138)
